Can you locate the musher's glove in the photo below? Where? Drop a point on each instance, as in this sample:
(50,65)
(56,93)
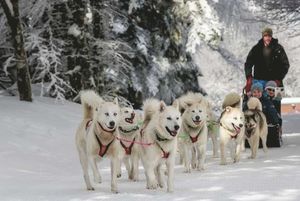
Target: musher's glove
(248,83)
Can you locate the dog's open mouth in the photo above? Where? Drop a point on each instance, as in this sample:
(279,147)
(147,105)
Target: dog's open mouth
(129,120)
(197,122)
(236,128)
(172,133)
(109,128)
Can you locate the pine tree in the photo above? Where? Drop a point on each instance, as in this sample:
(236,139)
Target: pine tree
(11,10)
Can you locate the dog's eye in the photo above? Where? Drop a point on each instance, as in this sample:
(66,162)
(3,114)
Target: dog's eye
(169,118)
(193,110)
(115,114)
(200,110)
(96,109)
(106,114)
(177,118)
(235,118)
(126,111)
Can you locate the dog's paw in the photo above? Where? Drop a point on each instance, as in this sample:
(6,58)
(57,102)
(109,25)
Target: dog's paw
(187,170)
(114,191)
(152,185)
(194,165)
(170,190)
(201,168)
(90,188)
(161,185)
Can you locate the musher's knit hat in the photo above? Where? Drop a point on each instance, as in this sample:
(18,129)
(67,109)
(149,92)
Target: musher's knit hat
(267,31)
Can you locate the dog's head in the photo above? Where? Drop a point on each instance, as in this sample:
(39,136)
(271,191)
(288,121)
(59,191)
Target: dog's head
(127,116)
(169,119)
(233,119)
(195,114)
(107,115)
(250,122)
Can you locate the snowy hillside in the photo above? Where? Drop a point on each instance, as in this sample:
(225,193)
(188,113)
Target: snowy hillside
(38,161)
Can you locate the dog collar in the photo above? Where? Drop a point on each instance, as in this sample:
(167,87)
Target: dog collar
(129,131)
(159,138)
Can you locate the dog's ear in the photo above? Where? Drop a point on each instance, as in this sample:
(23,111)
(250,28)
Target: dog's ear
(176,104)
(162,106)
(116,101)
(228,108)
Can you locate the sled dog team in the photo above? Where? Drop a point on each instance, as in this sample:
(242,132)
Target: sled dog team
(108,131)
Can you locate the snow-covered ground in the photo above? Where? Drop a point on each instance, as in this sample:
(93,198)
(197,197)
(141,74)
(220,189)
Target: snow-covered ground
(38,161)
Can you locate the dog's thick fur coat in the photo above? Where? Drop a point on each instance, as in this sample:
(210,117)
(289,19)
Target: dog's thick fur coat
(96,137)
(161,125)
(129,135)
(193,137)
(256,126)
(232,128)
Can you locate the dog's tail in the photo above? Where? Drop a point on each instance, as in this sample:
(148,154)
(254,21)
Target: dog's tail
(151,106)
(90,100)
(254,104)
(233,100)
(189,99)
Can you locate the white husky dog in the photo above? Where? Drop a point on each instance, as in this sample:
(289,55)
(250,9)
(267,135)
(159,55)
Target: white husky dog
(256,126)
(96,137)
(193,135)
(161,126)
(129,130)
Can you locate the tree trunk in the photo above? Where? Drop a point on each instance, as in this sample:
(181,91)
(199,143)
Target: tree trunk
(11,10)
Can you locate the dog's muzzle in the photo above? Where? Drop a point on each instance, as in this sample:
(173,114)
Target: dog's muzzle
(174,132)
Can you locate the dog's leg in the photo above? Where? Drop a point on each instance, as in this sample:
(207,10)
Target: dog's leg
(159,175)
(264,142)
(119,169)
(128,166)
(238,151)
(215,144)
(233,150)
(255,145)
(135,167)
(84,163)
(170,170)
(223,142)
(195,161)
(115,163)
(201,157)
(151,181)
(186,158)
(97,176)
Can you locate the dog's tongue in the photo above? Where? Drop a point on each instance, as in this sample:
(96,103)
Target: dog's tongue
(174,132)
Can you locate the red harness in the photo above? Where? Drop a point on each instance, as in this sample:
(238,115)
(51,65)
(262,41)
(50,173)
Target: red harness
(194,139)
(103,148)
(127,149)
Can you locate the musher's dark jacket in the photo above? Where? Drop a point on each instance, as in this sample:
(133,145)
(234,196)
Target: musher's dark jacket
(278,63)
